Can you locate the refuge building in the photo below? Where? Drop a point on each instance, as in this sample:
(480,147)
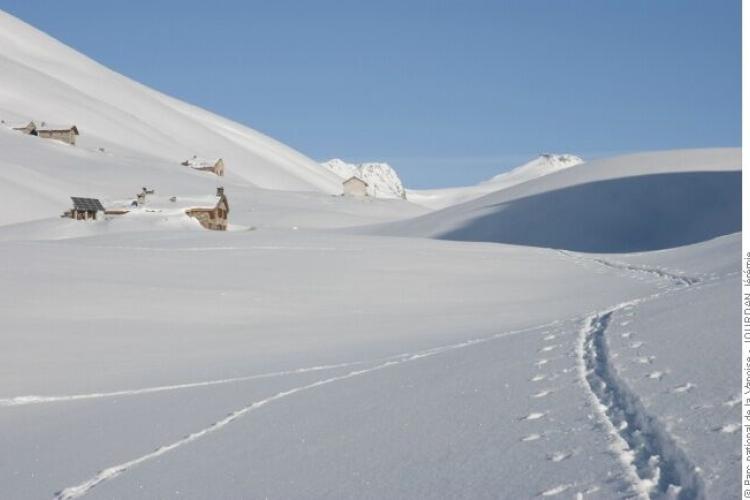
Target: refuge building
(214,218)
(63,133)
(354,186)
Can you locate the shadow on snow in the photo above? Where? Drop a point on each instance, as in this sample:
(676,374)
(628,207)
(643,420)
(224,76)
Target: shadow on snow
(647,212)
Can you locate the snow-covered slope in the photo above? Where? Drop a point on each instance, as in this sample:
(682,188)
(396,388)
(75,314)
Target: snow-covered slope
(630,203)
(482,363)
(37,178)
(171,361)
(382,180)
(44,80)
(542,165)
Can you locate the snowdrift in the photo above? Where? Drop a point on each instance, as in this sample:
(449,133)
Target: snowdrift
(632,203)
(45,80)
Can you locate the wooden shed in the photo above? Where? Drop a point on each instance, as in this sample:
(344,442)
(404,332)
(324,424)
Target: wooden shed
(214,218)
(354,186)
(64,133)
(214,166)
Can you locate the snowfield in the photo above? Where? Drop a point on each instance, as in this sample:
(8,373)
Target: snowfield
(568,333)
(284,384)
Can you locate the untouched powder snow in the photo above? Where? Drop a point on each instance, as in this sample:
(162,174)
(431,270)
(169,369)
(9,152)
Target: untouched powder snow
(543,165)
(382,180)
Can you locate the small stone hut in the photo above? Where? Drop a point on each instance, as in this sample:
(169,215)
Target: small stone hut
(64,133)
(214,218)
(214,166)
(354,186)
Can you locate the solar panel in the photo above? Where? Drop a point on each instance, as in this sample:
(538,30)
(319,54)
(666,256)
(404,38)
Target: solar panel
(87,204)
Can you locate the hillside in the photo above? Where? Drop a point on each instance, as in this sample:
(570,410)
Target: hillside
(45,80)
(132,136)
(38,177)
(523,342)
(638,202)
(544,164)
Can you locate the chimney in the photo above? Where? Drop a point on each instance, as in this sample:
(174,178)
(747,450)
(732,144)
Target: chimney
(219,191)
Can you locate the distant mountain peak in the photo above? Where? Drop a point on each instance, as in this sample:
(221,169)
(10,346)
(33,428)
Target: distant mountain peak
(543,164)
(565,158)
(382,180)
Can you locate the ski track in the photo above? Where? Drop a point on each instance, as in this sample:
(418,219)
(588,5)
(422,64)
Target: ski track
(112,472)
(653,460)
(35,399)
(116,470)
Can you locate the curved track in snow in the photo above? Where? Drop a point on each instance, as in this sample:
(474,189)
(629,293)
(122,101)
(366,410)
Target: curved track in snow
(114,471)
(39,399)
(655,465)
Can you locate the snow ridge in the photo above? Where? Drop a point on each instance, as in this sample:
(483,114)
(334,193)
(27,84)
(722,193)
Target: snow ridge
(657,467)
(540,166)
(544,164)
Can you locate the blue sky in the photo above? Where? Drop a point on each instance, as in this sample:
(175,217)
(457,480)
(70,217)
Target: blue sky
(448,92)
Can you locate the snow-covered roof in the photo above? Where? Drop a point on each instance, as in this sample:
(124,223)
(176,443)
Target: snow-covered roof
(354,178)
(17,125)
(53,127)
(197,162)
(166,205)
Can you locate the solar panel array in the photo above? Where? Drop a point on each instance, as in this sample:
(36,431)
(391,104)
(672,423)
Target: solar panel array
(87,204)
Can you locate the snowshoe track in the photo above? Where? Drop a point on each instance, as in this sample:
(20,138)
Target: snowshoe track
(656,466)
